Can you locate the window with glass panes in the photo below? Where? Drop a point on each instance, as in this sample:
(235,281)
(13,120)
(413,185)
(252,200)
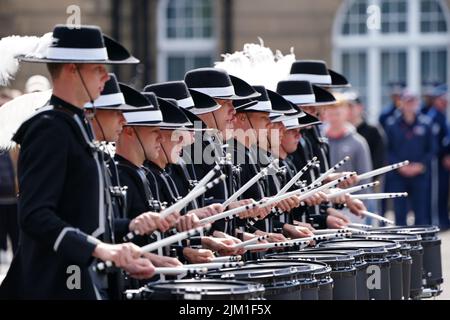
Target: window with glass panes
(412,46)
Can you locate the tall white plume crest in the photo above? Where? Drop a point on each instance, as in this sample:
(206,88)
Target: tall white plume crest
(258,65)
(12,47)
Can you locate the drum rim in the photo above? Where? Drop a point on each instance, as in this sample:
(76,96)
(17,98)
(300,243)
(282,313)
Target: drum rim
(246,287)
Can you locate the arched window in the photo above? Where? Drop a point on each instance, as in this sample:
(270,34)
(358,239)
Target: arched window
(377,42)
(186,37)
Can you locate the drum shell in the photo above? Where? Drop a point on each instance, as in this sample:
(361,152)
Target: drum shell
(343,270)
(375,256)
(315,282)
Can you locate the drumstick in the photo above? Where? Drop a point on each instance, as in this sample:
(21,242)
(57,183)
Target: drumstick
(247,185)
(158,244)
(227,259)
(377,217)
(191,196)
(276,245)
(180,204)
(207,177)
(382,170)
(352,189)
(356,231)
(378,196)
(215,265)
(297,176)
(360,225)
(180,270)
(323,237)
(331,170)
(328,231)
(250,241)
(261,203)
(304,195)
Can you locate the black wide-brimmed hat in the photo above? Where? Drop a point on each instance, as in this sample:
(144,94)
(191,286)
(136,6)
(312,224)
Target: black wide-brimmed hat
(301,92)
(146,112)
(84,44)
(282,108)
(259,104)
(173,117)
(316,72)
(112,97)
(203,103)
(172,90)
(302,122)
(218,84)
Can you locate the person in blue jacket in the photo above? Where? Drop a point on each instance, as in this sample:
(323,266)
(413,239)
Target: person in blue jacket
(440,173)
(410,138)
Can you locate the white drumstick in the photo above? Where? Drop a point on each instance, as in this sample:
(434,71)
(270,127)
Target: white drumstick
(297,176)
(272,245)
(352,189)
(227,259)
(360,225)
(245,187)
(331,170)
(323,237)
(382,170)
(377,217)
(189,197)
(250,241)
(328,231)
(179,270)
(378,196)
(175,238)
(207,177)
(215,265)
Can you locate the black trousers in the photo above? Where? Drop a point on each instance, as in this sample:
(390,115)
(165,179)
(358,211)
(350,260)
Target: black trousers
(9,226)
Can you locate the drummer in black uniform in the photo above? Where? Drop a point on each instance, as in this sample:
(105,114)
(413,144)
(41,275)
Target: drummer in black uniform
(209,150)
(169,177)
(62,202)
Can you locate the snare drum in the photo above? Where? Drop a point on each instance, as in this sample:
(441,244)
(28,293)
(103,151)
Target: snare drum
(342,265)
(362,292)
(432,261)
(197,289)
(280,282)
(314,277)
(411,250)
(386,257)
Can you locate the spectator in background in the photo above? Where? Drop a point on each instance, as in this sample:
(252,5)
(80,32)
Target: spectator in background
(440,173)
(396,92)
(409,137)
(345,141)
(8,187)
(374,135)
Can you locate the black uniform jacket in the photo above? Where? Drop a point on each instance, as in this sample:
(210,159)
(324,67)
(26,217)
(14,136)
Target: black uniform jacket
(61,207)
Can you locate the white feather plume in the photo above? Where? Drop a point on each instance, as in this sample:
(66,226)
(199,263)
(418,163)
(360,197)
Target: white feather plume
(13,113)
(13,46)
(258,65)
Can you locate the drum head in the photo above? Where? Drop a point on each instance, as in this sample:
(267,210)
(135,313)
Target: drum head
(198,289)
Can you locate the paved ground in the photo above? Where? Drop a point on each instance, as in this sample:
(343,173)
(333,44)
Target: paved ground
(445,251)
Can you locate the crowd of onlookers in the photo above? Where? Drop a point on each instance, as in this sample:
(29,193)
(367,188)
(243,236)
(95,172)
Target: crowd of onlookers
(410,128)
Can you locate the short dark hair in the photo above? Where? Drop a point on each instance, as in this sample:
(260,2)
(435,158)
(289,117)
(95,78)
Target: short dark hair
(54,69)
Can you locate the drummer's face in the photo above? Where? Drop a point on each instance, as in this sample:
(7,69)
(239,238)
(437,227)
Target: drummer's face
(172,142)
(151,138)
(225,115)
(108,124)
(276,134)
(290,139)
(94,77)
